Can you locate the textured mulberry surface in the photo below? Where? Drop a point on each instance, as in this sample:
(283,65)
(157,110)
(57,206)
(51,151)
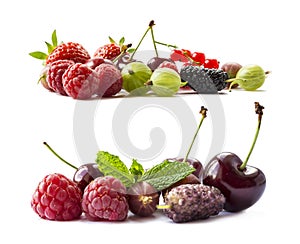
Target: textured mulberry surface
(190,202)
(105,199)
(57,198)
(204,80)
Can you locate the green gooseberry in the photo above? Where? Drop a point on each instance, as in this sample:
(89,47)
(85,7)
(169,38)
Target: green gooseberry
(249,77)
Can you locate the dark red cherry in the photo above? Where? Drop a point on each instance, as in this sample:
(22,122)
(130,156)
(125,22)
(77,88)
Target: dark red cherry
(241,184)
(154,62)
(241,187)
(85,174)
(195,163)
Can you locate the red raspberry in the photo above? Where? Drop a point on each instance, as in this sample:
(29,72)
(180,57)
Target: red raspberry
(105,199)
(55,73)
(57,198)
(110,80)
(80,81)
(71,51)
(168,64)
(109,51)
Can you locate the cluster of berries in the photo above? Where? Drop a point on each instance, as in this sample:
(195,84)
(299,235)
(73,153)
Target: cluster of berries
(71,71)
(193,58)
(59,198)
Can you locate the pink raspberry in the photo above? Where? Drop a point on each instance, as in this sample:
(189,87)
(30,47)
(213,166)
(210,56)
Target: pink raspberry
(110,80)
(57,198)
(105,199)
(55,73)
(80,81)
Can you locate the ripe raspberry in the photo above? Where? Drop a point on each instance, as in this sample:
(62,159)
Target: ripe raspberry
(105,199)
(80,81)
(110,80)
(55,73)
(108,51)
(57,198)
(71,51)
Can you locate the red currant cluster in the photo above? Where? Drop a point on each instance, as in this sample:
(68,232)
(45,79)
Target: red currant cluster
(196,58)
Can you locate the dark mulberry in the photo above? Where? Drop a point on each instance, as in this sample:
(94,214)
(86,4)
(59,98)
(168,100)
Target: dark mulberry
(190,202)
(204,80)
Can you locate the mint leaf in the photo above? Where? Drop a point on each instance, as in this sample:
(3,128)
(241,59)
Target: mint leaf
(112,165)
(166,174)
(136,168)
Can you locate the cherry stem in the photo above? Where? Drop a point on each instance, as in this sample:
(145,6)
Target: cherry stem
(165,44)
(259,111)
(66,162)
(203,112)
(140,42)
(153,39)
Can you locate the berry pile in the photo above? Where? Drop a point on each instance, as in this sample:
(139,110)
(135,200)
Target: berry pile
(108,190)
(71,71)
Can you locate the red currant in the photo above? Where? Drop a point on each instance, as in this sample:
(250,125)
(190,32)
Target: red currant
(198,57)
(211,64)
(178,55)
(186,52)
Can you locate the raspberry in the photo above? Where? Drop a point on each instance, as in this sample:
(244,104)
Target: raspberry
(110,80)
(71,51)
(55,73)
(108,51)
(57,198)
(80,81)
(105,199)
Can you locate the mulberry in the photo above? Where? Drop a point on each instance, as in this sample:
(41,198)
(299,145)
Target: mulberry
(190,202)
(204,80)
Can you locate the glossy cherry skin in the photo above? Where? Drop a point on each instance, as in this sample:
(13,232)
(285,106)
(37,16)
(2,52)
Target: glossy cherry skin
(192,162)
(241,188)
(154,62)
(85,174)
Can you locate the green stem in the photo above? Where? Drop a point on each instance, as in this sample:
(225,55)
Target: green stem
(203,112)
(259,109)
(165,44)
(153,40)
(66,162)
(140,42)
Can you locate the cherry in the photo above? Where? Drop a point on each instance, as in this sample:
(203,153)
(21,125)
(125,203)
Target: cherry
(84,174)
(242,185)
(211,64)
(154,62)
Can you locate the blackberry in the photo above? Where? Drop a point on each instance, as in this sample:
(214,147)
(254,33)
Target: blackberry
(190,202)
(204,80)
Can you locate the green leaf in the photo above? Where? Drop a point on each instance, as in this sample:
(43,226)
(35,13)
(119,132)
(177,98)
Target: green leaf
(136,168)
(121,42)
(112,165)
(38,55)
(54,39)
(166,174)
(111,40)
(49,47)
(130,50)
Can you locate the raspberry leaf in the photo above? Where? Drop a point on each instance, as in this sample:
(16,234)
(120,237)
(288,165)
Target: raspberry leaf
(38,55)
(112,165)
(166,174)
(54,39)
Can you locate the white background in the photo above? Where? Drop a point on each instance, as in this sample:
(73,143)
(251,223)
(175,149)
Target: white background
(260,32)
